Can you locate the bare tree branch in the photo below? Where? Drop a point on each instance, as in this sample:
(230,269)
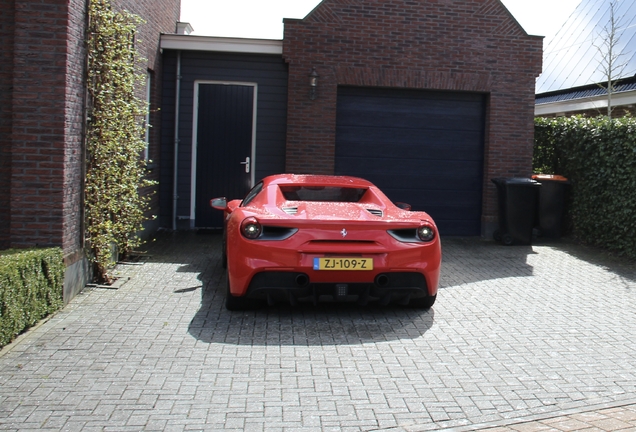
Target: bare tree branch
(612,64)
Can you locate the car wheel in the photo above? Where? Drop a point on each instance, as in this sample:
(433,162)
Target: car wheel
(423,302)
(497,235)
(224,259)
(234,303)
(224,253)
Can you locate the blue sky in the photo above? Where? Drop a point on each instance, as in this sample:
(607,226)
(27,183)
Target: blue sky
(263,18)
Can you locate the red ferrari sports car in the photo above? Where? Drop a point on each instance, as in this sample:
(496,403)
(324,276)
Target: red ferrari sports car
(316,238)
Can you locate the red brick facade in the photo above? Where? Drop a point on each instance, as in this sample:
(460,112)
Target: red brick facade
(38,141)
(455,45)
(42,115)
(7,31)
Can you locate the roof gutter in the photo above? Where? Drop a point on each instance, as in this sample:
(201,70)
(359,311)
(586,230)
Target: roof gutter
(221,44)
(589,103)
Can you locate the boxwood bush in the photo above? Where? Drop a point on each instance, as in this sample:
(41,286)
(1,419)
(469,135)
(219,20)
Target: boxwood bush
(599,156)
(31,284)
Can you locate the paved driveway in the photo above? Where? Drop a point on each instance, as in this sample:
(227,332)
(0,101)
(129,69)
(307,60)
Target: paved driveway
(517,334)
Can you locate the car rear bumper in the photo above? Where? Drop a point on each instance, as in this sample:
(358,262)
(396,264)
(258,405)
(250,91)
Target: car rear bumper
(244,266)
(295,287)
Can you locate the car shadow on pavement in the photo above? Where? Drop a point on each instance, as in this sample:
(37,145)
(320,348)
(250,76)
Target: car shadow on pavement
(305,324)
(465,260)
(199,254)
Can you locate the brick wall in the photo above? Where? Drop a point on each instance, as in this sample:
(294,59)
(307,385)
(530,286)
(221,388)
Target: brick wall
(42,120)
(38,141)
(42,116)
(74,130)
(471,45)
(6,83)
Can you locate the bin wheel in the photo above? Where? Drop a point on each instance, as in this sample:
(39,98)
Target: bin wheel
(497,235)
(507,239)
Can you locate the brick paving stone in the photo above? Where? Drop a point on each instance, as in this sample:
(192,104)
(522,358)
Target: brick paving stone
(521,338)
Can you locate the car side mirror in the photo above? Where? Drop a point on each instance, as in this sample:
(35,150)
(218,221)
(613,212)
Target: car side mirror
(218,203)
(403,206)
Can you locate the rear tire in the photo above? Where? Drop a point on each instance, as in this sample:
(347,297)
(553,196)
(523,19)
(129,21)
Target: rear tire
(224,253)
(423,302)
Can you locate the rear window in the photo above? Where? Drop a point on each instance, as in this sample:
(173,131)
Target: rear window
(322,193)
(252,194)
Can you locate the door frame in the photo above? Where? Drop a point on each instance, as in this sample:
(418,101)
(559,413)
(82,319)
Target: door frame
(195,124)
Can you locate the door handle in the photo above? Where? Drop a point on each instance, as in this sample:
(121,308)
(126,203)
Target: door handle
(247,164)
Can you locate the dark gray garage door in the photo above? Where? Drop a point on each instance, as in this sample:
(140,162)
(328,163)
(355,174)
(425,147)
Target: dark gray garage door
(421,147)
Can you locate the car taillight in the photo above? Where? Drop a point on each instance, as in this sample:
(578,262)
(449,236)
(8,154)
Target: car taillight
(251,228)
(426,233)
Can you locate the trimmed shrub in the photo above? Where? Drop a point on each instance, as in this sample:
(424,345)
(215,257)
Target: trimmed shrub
(599,156)
(31,285)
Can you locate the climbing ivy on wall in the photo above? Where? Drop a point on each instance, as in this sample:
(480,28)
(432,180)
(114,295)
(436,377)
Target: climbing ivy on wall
(115,172)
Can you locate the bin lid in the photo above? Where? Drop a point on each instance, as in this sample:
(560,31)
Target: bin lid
(549,177)
(521,181)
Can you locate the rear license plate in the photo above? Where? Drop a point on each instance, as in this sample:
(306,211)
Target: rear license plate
(340,263)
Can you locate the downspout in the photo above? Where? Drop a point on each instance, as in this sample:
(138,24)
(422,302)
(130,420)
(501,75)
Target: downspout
(175,196)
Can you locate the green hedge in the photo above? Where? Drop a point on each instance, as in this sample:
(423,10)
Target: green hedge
(599,156)
(31,284)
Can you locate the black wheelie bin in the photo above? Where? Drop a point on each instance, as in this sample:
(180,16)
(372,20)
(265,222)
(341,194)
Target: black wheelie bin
(551,204)
(517,209)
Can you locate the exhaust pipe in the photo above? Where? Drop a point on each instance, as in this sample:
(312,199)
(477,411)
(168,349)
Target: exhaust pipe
(302,280)
(381,280)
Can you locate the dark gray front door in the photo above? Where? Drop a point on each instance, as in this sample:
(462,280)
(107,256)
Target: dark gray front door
(224,147)
(425,148)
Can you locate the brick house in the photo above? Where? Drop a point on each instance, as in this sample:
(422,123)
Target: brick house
(42,119)
(428,99)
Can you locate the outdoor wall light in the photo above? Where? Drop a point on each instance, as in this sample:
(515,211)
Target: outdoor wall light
(313,83)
